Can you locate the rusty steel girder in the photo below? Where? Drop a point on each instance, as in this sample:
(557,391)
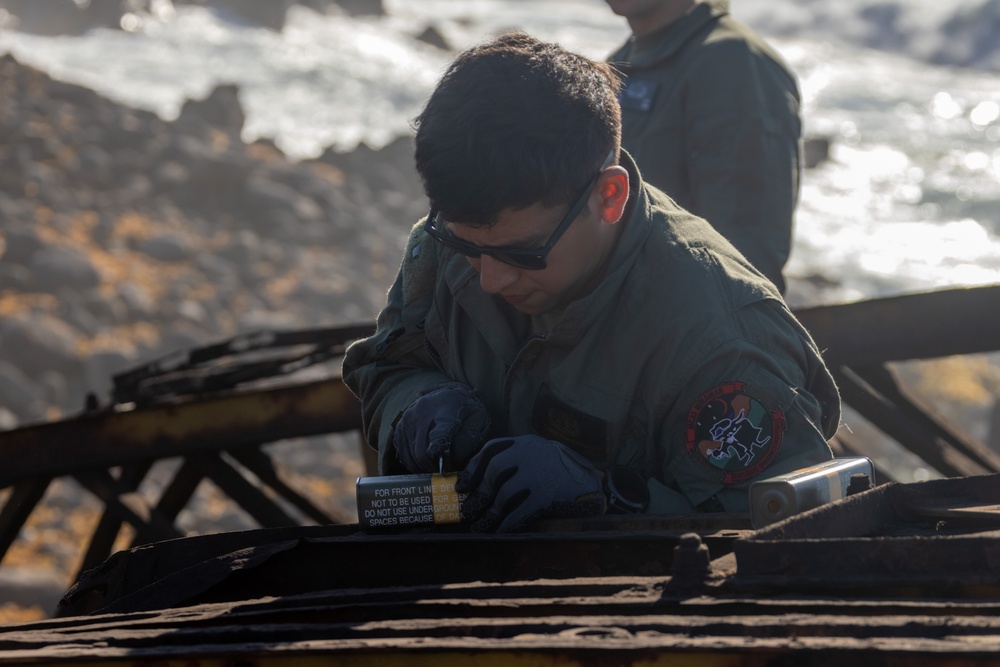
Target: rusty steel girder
(183,427)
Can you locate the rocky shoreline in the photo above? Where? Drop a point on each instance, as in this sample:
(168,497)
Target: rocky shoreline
(124,237)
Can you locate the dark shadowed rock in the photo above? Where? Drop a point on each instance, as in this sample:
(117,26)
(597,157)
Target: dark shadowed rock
(815,151)
(220,109)
(431,35)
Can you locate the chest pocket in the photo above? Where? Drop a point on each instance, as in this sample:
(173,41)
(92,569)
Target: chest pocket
(556,420)
(638,95)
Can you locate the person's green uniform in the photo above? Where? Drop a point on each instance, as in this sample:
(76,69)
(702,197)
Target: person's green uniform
(684,363)
(711,115)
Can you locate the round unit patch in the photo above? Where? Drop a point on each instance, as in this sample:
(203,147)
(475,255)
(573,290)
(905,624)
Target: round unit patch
(732,430)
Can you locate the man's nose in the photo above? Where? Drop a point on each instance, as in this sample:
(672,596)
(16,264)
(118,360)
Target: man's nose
(494,275)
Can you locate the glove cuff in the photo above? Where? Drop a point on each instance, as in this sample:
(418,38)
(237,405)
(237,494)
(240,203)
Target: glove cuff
(625,491)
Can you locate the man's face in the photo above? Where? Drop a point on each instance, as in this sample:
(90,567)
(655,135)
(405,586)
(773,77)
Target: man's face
(573,263)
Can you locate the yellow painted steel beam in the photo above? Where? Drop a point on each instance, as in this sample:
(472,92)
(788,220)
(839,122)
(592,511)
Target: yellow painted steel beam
(179,428)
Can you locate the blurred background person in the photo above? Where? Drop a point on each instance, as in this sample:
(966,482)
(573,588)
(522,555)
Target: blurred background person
(710,113)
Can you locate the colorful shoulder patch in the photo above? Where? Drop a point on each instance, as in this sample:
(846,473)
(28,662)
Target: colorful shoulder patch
(735,430)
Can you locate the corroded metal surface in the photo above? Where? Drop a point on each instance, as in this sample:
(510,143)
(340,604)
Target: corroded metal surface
(258,563)
(582,621)
(816,589)
(930,539)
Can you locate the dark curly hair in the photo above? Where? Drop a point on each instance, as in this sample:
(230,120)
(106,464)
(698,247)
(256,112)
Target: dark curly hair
(515,122)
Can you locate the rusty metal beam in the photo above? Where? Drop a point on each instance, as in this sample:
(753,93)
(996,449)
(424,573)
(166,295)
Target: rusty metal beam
(934,450)
(927,418)
(23,499)
(103,538)
(274,476)
(176,429)
(251,498)
(913,326)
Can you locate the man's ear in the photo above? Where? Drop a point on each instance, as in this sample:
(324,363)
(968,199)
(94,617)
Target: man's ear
(612,186)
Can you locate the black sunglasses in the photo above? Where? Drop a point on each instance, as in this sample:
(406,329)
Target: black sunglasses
(532,259)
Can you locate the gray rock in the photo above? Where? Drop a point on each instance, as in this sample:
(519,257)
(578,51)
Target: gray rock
(72,312)
(56,266)
(14,277)
(38,341)
(137,300)
(96,166)
(107,310)
(20,395)
(264,320)
(220,109)
(55,387)
(100,367)
(166,247)
(193,311)
(11,210)
(21,244)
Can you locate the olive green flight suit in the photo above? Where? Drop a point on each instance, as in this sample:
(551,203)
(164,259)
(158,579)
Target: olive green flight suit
(711,115)
(683,363)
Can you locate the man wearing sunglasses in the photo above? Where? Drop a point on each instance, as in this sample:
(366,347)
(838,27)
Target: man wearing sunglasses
(563,334)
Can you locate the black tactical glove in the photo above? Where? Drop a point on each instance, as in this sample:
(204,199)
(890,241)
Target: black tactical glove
(513,481)
(449,422)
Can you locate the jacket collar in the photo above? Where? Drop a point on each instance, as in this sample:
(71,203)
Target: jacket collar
(580,314)
(664,43)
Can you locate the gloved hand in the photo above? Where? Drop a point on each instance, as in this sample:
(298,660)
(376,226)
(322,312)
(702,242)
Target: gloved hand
(513,481)
(449,421)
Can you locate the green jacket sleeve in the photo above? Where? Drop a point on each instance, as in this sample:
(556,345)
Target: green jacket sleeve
(743,150)
(758,405)
(390,369)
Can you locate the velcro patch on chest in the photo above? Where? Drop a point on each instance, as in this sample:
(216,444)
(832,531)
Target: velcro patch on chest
(736,430)
(638,94)
(555,420)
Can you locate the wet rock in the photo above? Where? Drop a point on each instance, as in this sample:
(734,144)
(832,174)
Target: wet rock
(220,109)
(815,151)
(431,35)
